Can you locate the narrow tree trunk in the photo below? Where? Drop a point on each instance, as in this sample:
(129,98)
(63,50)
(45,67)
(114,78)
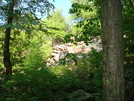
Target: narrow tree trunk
(7,62)
(113,54)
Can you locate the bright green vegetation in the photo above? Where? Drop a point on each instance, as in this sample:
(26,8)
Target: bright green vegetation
(34,83)
(30,47)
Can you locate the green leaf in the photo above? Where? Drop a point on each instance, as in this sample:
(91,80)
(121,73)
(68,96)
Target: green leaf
(9,0)
(35,22)
(6,25)
(18,26)
(26,22)
(10,99)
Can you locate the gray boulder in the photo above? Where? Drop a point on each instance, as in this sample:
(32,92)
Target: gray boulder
(79,95)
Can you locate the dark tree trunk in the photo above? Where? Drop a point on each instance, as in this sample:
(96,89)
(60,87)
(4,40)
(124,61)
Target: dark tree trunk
(113,52)
(7,62)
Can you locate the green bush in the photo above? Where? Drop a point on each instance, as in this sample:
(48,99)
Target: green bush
(42,84)
(32,83)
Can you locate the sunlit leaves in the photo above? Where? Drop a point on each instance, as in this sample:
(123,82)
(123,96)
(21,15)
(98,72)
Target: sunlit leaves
(35,22)
(21,7)
(6,26)
(57,24)
(86,14)
(18,26)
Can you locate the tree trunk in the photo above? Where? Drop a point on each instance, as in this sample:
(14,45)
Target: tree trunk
(113,51)
(7,62)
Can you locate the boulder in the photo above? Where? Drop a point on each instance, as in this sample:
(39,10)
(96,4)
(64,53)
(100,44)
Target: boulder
(79,95)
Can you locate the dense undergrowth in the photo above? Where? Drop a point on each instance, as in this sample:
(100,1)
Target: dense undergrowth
(53,83)
(35,82)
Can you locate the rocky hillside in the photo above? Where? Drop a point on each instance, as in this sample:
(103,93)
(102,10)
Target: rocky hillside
(61,50)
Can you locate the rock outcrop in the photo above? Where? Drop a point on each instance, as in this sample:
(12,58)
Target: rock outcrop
(60,51)
(79,95)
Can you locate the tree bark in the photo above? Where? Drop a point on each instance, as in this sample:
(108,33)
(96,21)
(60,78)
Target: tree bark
(113,51)
(7,62)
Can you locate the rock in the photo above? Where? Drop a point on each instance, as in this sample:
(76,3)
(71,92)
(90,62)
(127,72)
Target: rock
(78,49)
(61,50)
(62,55)
(79,56)
(69,44)
(55,56)
(86,50)
(70,49)
(50,62)
(79,95)
(56,51)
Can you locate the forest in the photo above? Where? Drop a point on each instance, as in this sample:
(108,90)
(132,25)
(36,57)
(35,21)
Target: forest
(45,56)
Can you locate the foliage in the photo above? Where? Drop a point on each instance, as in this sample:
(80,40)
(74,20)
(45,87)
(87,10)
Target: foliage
(43,7)
(28,48)
(86,16)
(53,83)
(57,25)
(34,59)
(19,14)
(41,84)
(128,22)
(35,42)
(1,46)
(89,67)
(128,16)
(61,70)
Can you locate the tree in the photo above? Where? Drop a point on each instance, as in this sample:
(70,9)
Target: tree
(113,55)
(57,24)
(13,13)
(85,14)
(7,61)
